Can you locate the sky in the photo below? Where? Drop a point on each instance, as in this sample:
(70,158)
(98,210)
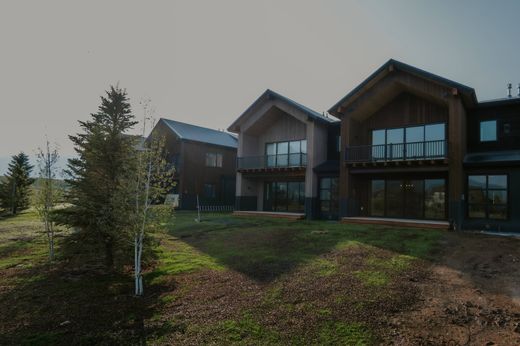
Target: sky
(205,62)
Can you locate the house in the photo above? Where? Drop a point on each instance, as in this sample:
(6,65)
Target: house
(419,146)
(204,160)
(413,147)
(280,143)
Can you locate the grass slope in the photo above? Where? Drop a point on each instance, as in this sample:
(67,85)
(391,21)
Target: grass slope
(226,280)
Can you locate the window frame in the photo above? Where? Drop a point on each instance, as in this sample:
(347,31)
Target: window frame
(487,203)
(481,122)
(284,159)
(214,159)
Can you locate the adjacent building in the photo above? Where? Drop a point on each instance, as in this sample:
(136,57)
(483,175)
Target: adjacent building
(408,145)
(280,144)
(204,161)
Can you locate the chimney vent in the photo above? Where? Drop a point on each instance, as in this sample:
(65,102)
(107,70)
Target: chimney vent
(509,87)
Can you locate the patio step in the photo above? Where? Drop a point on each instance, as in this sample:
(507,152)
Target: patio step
(280,215)
(396,222)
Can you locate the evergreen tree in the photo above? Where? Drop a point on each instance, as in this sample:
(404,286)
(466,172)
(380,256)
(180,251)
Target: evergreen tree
(15,188)
(101,177)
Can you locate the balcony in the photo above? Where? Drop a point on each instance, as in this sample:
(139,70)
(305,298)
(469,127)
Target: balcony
(279,162)
(416,151)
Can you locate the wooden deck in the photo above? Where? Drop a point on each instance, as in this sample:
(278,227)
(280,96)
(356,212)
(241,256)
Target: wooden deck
(397,222)
(280,215)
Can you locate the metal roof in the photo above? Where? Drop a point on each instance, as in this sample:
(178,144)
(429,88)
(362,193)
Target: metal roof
(499,102)
(201,134)
(270,95)
(505,157)
(410,69)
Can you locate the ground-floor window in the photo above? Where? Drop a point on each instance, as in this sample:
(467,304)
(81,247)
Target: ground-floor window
(487,196)
(288,196)
(408,198)
(329,206)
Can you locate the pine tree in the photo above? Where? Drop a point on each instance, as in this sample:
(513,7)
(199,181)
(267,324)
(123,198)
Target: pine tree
(101,177)
(15,189)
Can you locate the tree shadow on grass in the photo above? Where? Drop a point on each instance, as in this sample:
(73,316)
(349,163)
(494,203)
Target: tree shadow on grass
(75,301)
(264,248)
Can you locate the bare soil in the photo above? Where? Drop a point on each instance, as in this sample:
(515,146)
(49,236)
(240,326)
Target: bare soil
(471,297)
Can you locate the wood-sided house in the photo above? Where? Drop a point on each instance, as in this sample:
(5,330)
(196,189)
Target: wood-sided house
(281,142)
(204,161)
(414,147)
(419,146)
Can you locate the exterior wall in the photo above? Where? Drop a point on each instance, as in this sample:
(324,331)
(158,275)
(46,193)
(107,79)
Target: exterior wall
(512,224)
(195,174)
(278,122)
(405,110)
(285,128)
(508,115)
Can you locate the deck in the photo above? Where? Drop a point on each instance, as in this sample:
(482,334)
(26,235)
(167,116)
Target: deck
(397,222)
(280,215)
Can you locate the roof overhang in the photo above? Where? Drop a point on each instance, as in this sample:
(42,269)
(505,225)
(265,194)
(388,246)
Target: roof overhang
(393,78)
(269,105)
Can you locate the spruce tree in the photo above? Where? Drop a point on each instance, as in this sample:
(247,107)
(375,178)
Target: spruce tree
(15,188)
(101,177)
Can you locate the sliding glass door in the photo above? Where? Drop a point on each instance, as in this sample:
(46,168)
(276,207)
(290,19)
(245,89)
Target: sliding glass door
(408,198)
(284,196)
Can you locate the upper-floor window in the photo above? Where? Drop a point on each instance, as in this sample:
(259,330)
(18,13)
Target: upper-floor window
(213,160)
(282,154)
(421,141)
(487,196)
(488,131)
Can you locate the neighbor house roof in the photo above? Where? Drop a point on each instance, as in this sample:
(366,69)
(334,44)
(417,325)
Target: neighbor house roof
(409,69)
(269,95)
(200,134)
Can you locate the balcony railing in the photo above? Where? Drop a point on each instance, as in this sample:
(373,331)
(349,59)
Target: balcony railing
(397,151)
(272,161)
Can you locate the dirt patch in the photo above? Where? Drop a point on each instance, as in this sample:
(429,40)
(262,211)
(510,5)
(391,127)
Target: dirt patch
(472,296)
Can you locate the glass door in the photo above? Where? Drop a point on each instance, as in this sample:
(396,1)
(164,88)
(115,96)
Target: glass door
(413,198)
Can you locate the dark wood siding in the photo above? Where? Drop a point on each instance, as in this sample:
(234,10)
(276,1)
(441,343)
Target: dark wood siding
(195,173)
(508,117)
(405,110)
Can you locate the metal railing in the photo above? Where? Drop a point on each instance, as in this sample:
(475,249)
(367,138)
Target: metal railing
(272,161)
(397,151)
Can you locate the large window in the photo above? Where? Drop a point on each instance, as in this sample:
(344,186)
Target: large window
(414,142)
(408,198)
(284,196)
(487,196)
(488,131)
(286,154)
(213,160)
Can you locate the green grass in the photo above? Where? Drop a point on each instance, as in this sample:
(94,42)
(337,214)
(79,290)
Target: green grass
(372,277)
(246,331)
(278,258)
(265,248)
(340,333)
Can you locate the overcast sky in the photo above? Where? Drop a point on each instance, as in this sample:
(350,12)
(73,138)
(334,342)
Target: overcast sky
(204,62)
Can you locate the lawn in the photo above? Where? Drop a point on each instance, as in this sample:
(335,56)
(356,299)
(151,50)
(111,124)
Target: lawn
(225,280)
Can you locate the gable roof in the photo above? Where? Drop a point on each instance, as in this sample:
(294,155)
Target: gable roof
(200,134)
(269,95)
(409,69)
